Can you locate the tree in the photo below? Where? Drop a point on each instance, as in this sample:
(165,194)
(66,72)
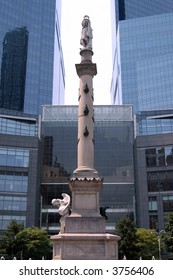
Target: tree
(136,242)
(33,243)
(8,243)
(127,245)
(146,243)
(25,243)
(168,238)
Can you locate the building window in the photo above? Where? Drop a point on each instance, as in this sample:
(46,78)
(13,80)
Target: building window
(14,157)
(168,203)
(18,127)
(160,181)
(161,156)
(13,203)
(5,220)
(13,182)
(152,202)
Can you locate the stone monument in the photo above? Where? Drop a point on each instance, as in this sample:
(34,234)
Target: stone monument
(83,234)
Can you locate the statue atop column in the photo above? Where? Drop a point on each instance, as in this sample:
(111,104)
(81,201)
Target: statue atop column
(86,33)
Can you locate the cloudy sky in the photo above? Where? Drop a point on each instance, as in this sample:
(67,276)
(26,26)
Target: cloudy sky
(72,15)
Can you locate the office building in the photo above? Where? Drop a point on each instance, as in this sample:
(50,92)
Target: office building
(19,169)
(143,56)
(154,122)
(113,159)
(154,168)
(142,76)
(154,179)
(31,59)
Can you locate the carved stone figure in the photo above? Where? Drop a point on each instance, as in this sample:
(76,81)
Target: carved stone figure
(86,33)
(63,209)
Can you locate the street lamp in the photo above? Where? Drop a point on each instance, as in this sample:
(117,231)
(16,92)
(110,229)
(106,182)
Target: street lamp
(159,242)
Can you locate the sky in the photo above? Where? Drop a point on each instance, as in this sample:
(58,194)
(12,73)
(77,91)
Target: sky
(72,15)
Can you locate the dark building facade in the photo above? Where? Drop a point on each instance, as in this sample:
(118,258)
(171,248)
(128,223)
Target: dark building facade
(154,167)
(19,169)
(114,136)
(154,179)
(31,59)
(13,69)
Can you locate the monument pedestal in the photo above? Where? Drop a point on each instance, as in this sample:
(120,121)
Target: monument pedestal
(85,246)
(85,236)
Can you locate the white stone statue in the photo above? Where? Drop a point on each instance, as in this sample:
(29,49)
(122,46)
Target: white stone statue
(86,33)
(63,209)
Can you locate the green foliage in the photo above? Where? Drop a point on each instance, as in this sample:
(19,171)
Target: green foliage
(8,241)
(34,243)
(136,242)
(127,245)
(147,243)
(25,243)
(168,238)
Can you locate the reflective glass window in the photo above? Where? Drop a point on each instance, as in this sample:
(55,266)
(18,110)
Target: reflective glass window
(14,182)
(14,157)
(152,202)
(161,156)
(160,181)
(18,127)
(168,203)
(13,203)
(5,220)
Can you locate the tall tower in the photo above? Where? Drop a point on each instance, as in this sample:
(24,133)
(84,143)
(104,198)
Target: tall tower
(140,65)
(84,235)
(31,60)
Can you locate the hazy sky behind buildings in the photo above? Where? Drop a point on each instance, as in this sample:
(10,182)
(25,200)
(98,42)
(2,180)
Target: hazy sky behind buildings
(72,14)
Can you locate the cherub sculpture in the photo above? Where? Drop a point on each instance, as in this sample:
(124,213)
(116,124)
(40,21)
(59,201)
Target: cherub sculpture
(63,206)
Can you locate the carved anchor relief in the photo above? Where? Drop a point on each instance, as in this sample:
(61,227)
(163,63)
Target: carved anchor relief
(86,132)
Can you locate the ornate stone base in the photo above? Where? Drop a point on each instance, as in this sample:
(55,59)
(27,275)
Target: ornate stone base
(70,246)
(85,236)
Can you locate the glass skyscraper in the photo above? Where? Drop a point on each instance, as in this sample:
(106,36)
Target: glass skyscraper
(142,76)
(143,54)
(31,60)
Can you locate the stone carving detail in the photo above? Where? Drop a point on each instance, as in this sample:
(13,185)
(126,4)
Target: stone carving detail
(63,206)
(86,33)
(86,132)
(86,110)
(86,89)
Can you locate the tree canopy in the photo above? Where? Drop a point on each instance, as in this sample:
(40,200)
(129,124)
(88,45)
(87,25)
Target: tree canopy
(147,243)
(25,243)
(127,245)
(135,242)
(168,237)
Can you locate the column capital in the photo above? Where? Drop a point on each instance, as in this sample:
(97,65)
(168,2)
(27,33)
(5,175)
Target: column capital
(86,68)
